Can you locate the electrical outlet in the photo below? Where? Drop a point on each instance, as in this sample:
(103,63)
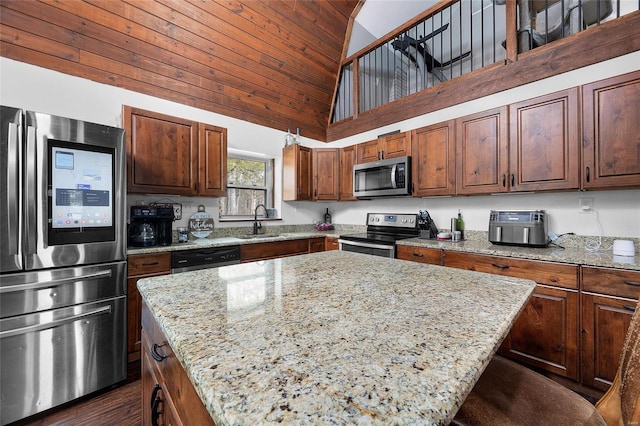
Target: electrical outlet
(585,205)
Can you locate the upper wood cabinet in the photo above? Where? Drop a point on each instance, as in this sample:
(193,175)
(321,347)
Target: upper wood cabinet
(390,146)
(326,173)
(296,173)
(433,160)
(347,160)
(171,155)
(611,132)
(482,149)
(543,144)
(212,160)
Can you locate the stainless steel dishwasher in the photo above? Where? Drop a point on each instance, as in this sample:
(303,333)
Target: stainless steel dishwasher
(203,258)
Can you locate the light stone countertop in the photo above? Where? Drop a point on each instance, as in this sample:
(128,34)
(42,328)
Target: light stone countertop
(571,255)
(334,337)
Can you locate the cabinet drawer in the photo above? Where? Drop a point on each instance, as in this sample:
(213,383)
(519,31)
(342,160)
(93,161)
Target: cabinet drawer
(332,244)
(419,254)
(615,282)
(154,263)
(548,273)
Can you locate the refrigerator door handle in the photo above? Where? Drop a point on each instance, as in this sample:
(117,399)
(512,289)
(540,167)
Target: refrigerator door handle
(13,182)
(51,283)
(55,323)
(30,194)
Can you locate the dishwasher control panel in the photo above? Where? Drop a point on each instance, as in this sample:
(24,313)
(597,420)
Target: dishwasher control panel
(212,257)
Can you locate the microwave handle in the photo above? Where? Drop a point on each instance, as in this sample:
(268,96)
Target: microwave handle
(393,176)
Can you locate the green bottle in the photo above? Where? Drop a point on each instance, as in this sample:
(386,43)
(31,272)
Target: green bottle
(460,225)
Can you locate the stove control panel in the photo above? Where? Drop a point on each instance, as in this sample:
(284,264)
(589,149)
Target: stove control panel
(402,220)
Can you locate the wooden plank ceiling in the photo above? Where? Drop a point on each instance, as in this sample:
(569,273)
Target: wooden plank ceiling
(273,63)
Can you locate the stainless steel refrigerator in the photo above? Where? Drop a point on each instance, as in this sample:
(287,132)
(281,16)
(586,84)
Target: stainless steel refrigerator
(62,260)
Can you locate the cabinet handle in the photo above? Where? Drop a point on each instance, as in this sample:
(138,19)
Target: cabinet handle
(504,180)
(418,254)
(500,266)
(155,403)
(150,263)
(629,308)
(587,172)
(636,283)
(157,356)
(413,188)
(513,179)
(382,155)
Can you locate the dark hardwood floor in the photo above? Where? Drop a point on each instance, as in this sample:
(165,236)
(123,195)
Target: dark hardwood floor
(120,406)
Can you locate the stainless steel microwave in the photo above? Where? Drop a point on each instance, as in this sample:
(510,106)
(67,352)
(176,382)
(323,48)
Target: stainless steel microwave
(384,178)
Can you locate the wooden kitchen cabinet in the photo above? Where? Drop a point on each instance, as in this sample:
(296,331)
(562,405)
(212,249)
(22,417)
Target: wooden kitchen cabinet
(175,400)
(389,146)
(212,157)
(316,245)
(162,153)
(347,161)
(326,173)
(420,254)
(433,160)
(609,298)
(544,143)
(611,125)
(331,243)
(171,155)
(140,266)
(296,173)
(482,152)
(545,335)
(273,249)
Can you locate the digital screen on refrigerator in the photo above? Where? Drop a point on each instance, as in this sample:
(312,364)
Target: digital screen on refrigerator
(81,188)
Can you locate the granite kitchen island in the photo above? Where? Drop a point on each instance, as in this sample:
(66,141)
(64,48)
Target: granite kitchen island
(333,337)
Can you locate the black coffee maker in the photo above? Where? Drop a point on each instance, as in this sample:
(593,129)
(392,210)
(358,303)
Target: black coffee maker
(151,225)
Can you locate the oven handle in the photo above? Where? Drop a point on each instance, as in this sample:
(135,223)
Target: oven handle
(367,245)
(56,323)
(44,284)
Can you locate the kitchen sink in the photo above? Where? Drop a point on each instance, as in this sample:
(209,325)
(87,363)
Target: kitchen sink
(255,236)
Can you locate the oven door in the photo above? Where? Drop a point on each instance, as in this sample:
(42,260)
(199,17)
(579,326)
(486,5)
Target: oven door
(383,250)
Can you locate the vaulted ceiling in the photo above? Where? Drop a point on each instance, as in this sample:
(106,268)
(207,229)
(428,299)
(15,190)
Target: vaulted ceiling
(273,63)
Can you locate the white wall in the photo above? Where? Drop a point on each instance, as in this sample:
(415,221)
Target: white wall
(39,89)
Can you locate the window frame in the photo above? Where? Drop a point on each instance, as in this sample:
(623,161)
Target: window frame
(268,188)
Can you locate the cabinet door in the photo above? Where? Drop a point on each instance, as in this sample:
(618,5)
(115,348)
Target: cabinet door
(543,143)
(212,160)
(545,335)
(605,321)
(331,244)
(482,153)
(420,254)
(326,174)
(433,160)
(397,145)
(316,245)
(272,250)
(296,173)
(162,153)
(611,128)
(347,160)
(368,152)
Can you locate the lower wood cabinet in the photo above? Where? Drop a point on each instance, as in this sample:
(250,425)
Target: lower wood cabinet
(275,249)
(140,266)
(609,299)
(545,335)
(420,254)
(331,243)
(168,397)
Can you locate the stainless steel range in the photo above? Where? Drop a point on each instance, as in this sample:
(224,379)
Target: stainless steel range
(383,230)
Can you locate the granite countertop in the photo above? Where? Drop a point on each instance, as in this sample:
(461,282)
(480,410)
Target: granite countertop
(572,255)
(233,240)
(334,337)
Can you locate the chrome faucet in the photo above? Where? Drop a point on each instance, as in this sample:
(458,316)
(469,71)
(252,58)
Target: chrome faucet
(257,226)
